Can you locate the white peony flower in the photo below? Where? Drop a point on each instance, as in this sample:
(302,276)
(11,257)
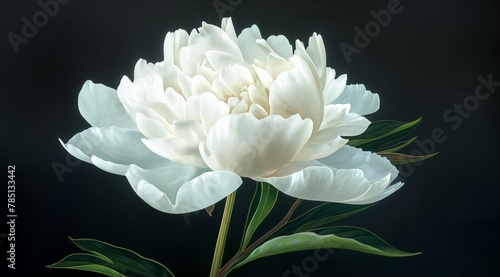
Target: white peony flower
(221,107)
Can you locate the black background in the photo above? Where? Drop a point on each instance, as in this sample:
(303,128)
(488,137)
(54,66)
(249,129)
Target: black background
(426,60)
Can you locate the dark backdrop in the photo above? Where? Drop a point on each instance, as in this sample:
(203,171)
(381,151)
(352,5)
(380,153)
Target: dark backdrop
(425,62)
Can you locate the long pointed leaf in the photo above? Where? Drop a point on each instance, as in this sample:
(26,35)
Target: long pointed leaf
(318,216)
(349,238)
(121,259)
(397,158)
(383,133)
(393,147)
(87,262)
(262,203)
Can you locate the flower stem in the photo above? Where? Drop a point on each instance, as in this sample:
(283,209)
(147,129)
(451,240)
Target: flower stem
(221,238)
(285,219)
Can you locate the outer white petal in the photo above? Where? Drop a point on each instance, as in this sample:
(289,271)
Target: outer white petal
(252,147)
(100,106)
(362,101)
(182,189)
(296,91)
(113,149)
(333,87)
(374,167)
(347,176)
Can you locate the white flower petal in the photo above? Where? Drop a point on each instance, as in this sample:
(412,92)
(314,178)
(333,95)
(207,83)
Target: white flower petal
(347,176)
(175,102)
(205,109)
(327,140)
(151,127)
(179,150)
(209,38)
(362,101)
(257,95)
(227,26)
(173,43)
(317,53)
(338,118)
(181,189)
(247,42)
(276,65)
(240,108)
(118,147)
(188,129)
(373,166)
(184,82)
(321,145)
(296,92)
(100,106)
(143,69)
(199,85)
(218,60)
(167,71)
(302,52)
(264,77)
(281,46)
(252,147)
(333,87)
(141,93)
(258,111)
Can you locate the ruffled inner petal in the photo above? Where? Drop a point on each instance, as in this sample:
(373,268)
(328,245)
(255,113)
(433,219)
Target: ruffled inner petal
(252,147)
(296,92)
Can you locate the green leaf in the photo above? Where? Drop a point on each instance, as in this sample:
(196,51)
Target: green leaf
(349,238)
(109,259)
(382,135)
(318,216)
(87,262)
(398,158)
(393,147)
(262,203)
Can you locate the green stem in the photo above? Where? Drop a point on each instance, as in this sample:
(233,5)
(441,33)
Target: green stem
(221,238)
(226,268)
